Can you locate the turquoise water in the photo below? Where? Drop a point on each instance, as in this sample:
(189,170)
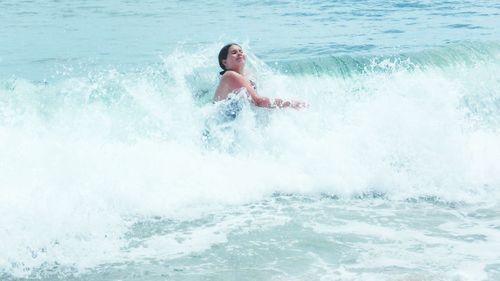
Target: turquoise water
(391,173)
(41,37)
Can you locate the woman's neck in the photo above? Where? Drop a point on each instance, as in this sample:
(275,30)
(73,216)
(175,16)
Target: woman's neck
(240,71)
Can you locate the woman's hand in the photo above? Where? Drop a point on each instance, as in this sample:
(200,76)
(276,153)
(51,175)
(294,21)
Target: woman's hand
(293,104)
(298,104)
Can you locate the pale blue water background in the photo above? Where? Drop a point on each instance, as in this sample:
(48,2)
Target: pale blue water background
(37,35)
(392,173)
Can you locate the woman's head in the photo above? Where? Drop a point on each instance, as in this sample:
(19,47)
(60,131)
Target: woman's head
(231,57)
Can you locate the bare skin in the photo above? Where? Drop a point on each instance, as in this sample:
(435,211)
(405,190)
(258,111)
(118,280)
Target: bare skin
(234,79)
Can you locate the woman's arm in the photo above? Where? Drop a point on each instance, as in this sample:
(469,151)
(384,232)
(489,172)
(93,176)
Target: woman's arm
(231,81)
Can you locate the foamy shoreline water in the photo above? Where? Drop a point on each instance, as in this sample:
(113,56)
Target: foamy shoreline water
(113,183)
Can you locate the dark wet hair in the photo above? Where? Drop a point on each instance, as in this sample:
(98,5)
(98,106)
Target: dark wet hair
(223,55)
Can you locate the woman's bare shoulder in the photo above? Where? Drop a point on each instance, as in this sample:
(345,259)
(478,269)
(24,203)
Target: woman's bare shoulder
(232,76)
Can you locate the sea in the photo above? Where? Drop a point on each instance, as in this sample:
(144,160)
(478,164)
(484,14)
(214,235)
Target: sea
(392,172)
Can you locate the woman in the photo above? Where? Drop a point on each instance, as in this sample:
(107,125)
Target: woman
(232,61)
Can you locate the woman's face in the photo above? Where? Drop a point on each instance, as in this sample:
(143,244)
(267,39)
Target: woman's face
(235,58)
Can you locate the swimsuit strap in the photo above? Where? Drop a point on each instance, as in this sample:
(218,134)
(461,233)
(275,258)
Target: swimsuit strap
(253,85)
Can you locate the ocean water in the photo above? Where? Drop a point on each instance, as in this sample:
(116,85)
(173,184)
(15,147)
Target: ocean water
(391,173)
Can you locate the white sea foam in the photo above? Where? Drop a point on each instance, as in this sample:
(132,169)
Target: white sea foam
(84,157)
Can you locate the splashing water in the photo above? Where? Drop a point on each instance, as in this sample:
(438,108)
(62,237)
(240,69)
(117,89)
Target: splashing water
(108,173)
